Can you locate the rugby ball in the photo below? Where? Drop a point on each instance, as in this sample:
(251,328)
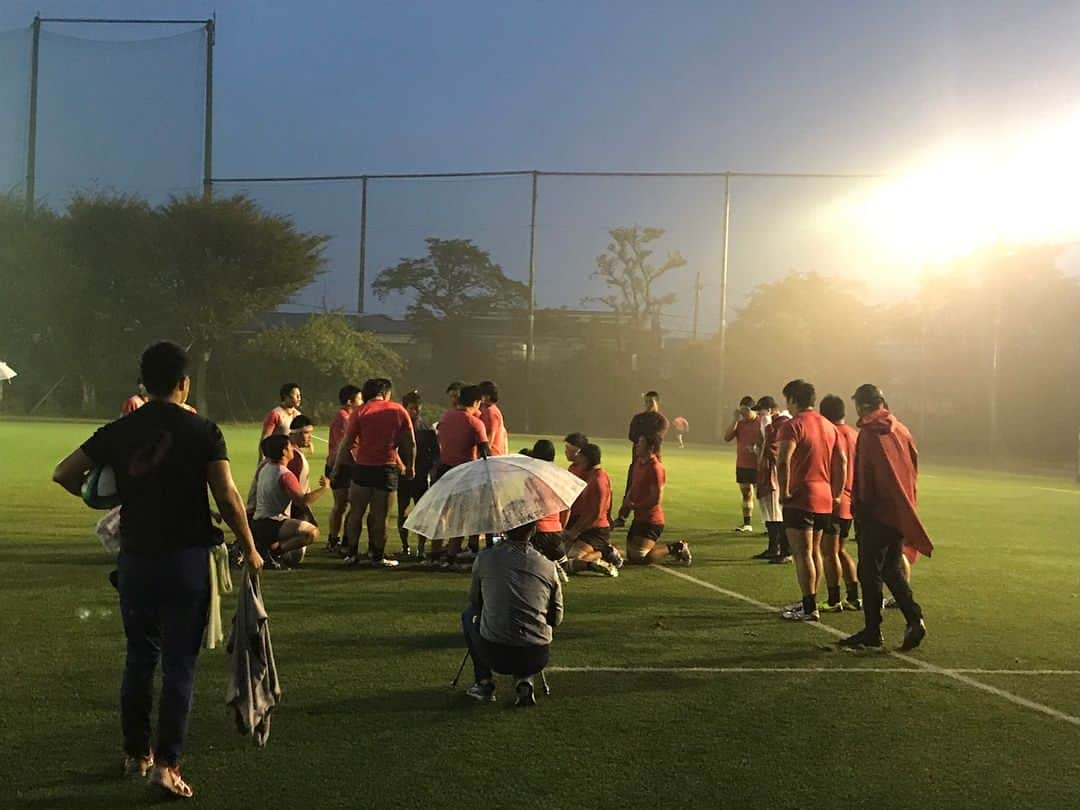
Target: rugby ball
(99,490)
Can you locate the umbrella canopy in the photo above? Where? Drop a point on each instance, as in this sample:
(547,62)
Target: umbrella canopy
(6,372)
(493,495)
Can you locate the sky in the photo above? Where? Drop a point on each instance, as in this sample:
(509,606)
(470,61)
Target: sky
(374,87)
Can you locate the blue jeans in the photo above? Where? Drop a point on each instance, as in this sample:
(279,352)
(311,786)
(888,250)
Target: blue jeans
(163,602)
(487,656)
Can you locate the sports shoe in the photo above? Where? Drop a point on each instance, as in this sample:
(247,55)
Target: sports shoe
(780,559)
(800,615)
(428,562)
(681,552)
(526,695)
(618,523)
(466,555)
(767,554)
(483,692)
(889,602)
(791,607)
(828,608)
(167,777)
(462,567)
(913,636)
(850,604)
(138,766)
(746,528)
(864,638)
(605,568)
(612,555)
(384,562)
(332,545)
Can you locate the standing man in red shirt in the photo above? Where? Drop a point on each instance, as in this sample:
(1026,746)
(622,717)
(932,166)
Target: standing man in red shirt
(462,438)
(838,562)
(492,417)
(384,433)
(279,420)
(745,429)
(771,419)
(650,422)
(647,479)
(811,469)
(884,495)
(349,399)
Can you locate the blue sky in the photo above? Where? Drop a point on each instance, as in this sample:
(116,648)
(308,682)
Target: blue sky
(351,87)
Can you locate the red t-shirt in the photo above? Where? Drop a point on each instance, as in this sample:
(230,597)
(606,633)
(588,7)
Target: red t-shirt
(377,425)
(766,480)
(645,478)
(809,480)
(132,403)
(459,435)
(747,443)
(550,523)
(495,426)
(595,499)
(846,437)
(278,420)
(338,425)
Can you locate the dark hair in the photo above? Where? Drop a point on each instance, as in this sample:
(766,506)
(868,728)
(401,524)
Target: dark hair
(543,449)
(652,442)
(766,403)
(163,367)
(273,447)
(832,407)
(469,395)
(652,395)
(455,387)
(801,393)
(591,453)
(522,533)
(489,390)
(286,389)
(746,402)
(375,387)
(869,394)
(412,398)
(347,394)
(300,422)
(578,440)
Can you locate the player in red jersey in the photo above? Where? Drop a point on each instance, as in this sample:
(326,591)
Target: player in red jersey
(135,401)
(745,430)
(647,479)
(492,417)
(588,529)
(771,419)
(279,419)
(811,469)
(349,399)
(838,563)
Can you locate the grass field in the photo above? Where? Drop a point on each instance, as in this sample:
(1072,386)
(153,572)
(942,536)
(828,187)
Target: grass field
(772,718)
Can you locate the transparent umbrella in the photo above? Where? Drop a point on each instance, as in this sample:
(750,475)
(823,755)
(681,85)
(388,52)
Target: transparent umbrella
(6,372)
(493,495)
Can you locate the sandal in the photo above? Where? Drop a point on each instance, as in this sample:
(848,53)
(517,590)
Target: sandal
(168,778)
(138,766)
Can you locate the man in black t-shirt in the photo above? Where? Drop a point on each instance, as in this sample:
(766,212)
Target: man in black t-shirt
(164,457)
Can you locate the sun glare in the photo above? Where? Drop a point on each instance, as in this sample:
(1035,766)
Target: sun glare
(1019,190)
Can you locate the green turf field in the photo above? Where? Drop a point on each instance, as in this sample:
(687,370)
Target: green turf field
(366,658)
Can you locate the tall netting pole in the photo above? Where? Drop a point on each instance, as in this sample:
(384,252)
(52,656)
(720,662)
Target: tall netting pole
(530,347)
(362,281)
(722,366)
(31,143)
(208,118)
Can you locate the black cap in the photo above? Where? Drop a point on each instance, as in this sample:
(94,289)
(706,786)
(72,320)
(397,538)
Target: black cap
(868,394)
(765,404)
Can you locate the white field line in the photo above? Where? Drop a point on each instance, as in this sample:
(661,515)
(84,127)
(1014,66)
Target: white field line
(955,675)
(1055,489)
(814,670)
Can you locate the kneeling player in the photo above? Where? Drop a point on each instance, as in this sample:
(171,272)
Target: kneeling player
(644,498)
(280,537)
(588,531)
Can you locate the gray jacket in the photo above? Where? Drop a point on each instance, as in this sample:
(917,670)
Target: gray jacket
(518,595)
(253,683)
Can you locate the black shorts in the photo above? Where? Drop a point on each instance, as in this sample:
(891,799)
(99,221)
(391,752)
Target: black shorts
(265,531)
(550,544)
(841,527)
(646,531)
(411,489)
(342,479)
(304,513)
(385,478)
(746,475)
(806,521)
(598,538)
(440,470)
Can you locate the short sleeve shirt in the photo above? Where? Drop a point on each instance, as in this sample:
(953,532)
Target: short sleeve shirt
(847,436)
(644,477)
(460,434)
(595,499)
(278,420)
(747,443)
(377,426)
(160,455)
(495,426)
(810,473)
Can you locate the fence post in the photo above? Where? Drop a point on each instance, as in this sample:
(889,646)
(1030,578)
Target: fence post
(721,373)
(530,348)
(31,143)
(208,117)
(362,281)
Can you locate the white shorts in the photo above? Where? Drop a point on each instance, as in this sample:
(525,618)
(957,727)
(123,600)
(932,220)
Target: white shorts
(770,507)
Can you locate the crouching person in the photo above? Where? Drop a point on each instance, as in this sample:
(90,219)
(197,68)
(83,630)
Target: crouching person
(280,537)
(515,602)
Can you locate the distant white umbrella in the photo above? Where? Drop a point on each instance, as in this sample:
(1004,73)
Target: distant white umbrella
(493,495)
(7,372)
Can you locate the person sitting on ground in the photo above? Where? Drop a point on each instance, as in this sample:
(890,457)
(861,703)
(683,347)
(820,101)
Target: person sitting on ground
(279,536)
(515,601)
(300,435)
(588,530)
(644,497)
(548,539)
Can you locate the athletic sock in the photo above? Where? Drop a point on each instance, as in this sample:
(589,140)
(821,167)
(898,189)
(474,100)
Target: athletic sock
(745,518)
(853,592)
(809,603)
(834,594)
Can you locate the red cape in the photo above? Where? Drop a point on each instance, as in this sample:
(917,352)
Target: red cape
(886,475)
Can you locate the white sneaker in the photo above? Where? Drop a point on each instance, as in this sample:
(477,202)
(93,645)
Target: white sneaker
(385,562)
(745,529)
(799,615)
(605,568)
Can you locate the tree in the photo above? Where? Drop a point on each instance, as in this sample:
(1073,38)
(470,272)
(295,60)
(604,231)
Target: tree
(455,279)
(626,270)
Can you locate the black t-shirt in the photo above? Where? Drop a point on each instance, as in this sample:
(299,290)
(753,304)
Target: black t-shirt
(648,423)
(427,447)
(160,453)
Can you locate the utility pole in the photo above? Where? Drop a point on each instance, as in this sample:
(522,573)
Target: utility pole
(362,285)
(530,348)
(697,304)
(722,365)
(31,144)
(208,116)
